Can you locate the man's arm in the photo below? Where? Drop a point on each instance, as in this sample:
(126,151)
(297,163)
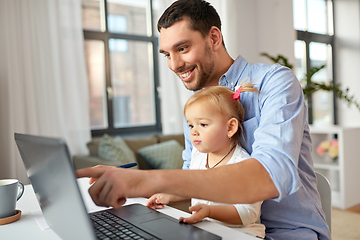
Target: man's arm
(244,182)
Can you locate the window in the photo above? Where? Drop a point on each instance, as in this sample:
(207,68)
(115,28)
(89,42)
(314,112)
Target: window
(121,59)
(313,21)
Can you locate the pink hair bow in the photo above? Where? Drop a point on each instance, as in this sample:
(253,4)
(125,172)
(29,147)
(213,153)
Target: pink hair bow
(237,92)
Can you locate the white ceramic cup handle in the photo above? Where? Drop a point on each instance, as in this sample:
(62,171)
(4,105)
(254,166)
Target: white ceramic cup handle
(20,193)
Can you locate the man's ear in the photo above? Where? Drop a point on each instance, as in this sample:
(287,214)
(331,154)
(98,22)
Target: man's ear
(233,126)
(215,37)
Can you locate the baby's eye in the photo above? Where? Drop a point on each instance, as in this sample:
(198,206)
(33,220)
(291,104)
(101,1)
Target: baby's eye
(191,126)
(203,124)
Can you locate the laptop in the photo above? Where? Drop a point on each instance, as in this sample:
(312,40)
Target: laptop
(50,170)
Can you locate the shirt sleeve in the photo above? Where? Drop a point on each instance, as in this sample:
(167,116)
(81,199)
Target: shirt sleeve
(186,154)
(279,135)
(249,213)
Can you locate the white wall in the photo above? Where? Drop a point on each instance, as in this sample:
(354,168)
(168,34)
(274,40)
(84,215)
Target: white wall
(256,26)
(347,56)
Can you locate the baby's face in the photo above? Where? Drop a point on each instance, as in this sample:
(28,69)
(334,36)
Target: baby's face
(208,127)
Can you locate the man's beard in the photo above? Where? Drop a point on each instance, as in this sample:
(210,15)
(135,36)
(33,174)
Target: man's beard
(204,77)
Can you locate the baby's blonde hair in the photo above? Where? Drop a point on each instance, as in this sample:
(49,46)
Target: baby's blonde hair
(222,98)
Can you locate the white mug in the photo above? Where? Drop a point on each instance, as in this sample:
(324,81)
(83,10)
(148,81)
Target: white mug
(11,190)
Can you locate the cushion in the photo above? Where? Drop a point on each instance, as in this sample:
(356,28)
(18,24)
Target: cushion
(115,149)
(178,137)
(135,143)
(93,147)
(165,155)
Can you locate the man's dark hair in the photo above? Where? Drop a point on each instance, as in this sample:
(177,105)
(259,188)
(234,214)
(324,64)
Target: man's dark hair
(202,16)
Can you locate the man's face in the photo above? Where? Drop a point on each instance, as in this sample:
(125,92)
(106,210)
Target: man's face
(189,55)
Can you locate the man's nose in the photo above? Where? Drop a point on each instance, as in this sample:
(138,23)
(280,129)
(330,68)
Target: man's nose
(175,63)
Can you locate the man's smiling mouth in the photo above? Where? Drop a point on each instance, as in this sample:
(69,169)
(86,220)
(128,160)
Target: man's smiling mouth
(186,75)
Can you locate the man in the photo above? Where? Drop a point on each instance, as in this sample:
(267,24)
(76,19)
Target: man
(276,134)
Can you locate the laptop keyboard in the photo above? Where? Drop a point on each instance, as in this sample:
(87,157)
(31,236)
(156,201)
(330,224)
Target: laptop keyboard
(109,226)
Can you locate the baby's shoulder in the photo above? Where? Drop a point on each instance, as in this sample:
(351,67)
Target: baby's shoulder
(240,154)
(198,159)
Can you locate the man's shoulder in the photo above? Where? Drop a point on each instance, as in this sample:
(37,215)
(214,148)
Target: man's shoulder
(267,70)
(264,76)
(259,72)
(269,76)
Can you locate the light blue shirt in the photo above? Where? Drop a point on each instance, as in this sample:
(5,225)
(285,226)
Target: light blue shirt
(276,133)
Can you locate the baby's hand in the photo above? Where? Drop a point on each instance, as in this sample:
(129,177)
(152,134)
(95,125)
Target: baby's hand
(200,211)
(158,200)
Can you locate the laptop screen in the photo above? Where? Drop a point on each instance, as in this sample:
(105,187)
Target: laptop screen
(49,168)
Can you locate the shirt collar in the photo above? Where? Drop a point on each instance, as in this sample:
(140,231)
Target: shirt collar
(233,75)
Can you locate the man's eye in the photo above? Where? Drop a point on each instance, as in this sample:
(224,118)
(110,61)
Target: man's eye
(182,49)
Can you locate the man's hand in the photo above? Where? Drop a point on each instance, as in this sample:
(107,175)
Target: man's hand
(111,185)
(200,211)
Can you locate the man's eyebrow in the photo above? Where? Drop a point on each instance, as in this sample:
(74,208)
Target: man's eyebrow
(175,45)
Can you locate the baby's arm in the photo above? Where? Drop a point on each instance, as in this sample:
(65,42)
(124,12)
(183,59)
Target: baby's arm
(240,214)
(223,213)
(159,200)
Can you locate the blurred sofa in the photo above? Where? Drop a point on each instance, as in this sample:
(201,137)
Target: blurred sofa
(134,143)
(161,147)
